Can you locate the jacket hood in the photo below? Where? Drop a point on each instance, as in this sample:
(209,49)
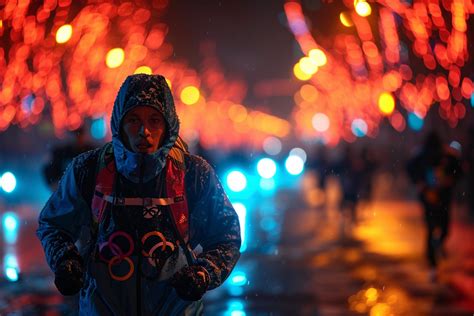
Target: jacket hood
(143,90)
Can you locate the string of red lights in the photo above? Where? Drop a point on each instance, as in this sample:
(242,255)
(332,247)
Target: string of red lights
(350,85)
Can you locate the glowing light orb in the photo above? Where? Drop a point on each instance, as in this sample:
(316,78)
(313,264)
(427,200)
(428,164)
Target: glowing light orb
(309,93)
(115,58)
(298,152)
(415,122)
(241,211)
(236,181)
(456,145)
(272,145)
(143,70)
(99,128)
(190,95)
(318,56)
(10,221)
(8,182)
(11,270)
(294,165)
(238,278)
(386,103)
(11,274)
(308,65)
(363,8)
(63,34)
(266,168)
(345,19)
(236,308)
(359,127)
(320,122)
(299,73)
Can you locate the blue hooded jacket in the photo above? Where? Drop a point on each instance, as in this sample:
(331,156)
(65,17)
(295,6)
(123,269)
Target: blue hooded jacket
(213,223)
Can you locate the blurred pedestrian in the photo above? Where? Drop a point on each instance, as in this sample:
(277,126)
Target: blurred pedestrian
(148,203)
(435,170)
(351,172)
(369,166)
(319,164)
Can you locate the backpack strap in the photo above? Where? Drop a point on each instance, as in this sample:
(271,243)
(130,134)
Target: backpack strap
(104,182)
(175,190)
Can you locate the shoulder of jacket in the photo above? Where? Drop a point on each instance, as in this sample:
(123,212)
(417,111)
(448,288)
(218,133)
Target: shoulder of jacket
(197,163)
(87,158)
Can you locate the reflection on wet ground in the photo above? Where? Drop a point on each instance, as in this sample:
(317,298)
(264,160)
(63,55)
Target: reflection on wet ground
(300,260)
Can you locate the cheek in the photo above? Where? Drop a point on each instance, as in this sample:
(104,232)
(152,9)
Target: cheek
(160,135)
(130,132)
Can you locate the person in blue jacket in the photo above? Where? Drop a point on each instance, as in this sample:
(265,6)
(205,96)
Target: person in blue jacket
(160,230)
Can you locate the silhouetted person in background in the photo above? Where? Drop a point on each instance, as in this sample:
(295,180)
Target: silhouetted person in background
(319,163)
(350,170)
(434,170)
(369,166)
(62,155)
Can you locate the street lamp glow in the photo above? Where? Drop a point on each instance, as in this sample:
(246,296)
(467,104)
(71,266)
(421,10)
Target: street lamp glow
(11,274)
(345,19)
(241,211)
(415,121)
(359,127)
(318,56)
(10,267)
(115,57)
(308,65)
(10,221)
(272,145)
(266,168)
(143,70)
(8,182)
(190,95)
(294,165)
(236,181)
(386,103)
(298,152)
(320,122)
(239,278)
(299,73)
(63,34)
(363,8)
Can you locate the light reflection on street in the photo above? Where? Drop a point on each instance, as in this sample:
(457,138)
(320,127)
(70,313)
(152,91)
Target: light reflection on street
(297,258)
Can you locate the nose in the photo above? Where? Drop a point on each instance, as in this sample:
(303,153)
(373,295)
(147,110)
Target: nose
(144,131)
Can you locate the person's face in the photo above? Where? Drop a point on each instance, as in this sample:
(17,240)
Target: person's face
(144,129)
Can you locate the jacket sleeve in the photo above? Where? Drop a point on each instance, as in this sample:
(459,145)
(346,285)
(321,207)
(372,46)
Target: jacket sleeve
(61,220)
(219,230)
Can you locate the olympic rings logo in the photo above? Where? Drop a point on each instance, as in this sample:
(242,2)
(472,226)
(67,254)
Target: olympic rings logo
(113,254)
(163,244)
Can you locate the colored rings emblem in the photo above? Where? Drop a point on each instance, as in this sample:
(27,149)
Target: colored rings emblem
(112,251)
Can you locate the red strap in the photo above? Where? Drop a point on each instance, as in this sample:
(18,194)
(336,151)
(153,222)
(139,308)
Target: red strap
(175,188)
(104,186)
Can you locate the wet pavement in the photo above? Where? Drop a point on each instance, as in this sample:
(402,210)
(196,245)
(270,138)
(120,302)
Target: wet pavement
(302,261)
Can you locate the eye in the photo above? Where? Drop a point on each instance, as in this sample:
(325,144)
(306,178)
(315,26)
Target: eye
(132,120)
(156,121)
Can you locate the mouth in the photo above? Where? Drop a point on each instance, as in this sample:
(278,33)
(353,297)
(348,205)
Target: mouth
(144,146)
